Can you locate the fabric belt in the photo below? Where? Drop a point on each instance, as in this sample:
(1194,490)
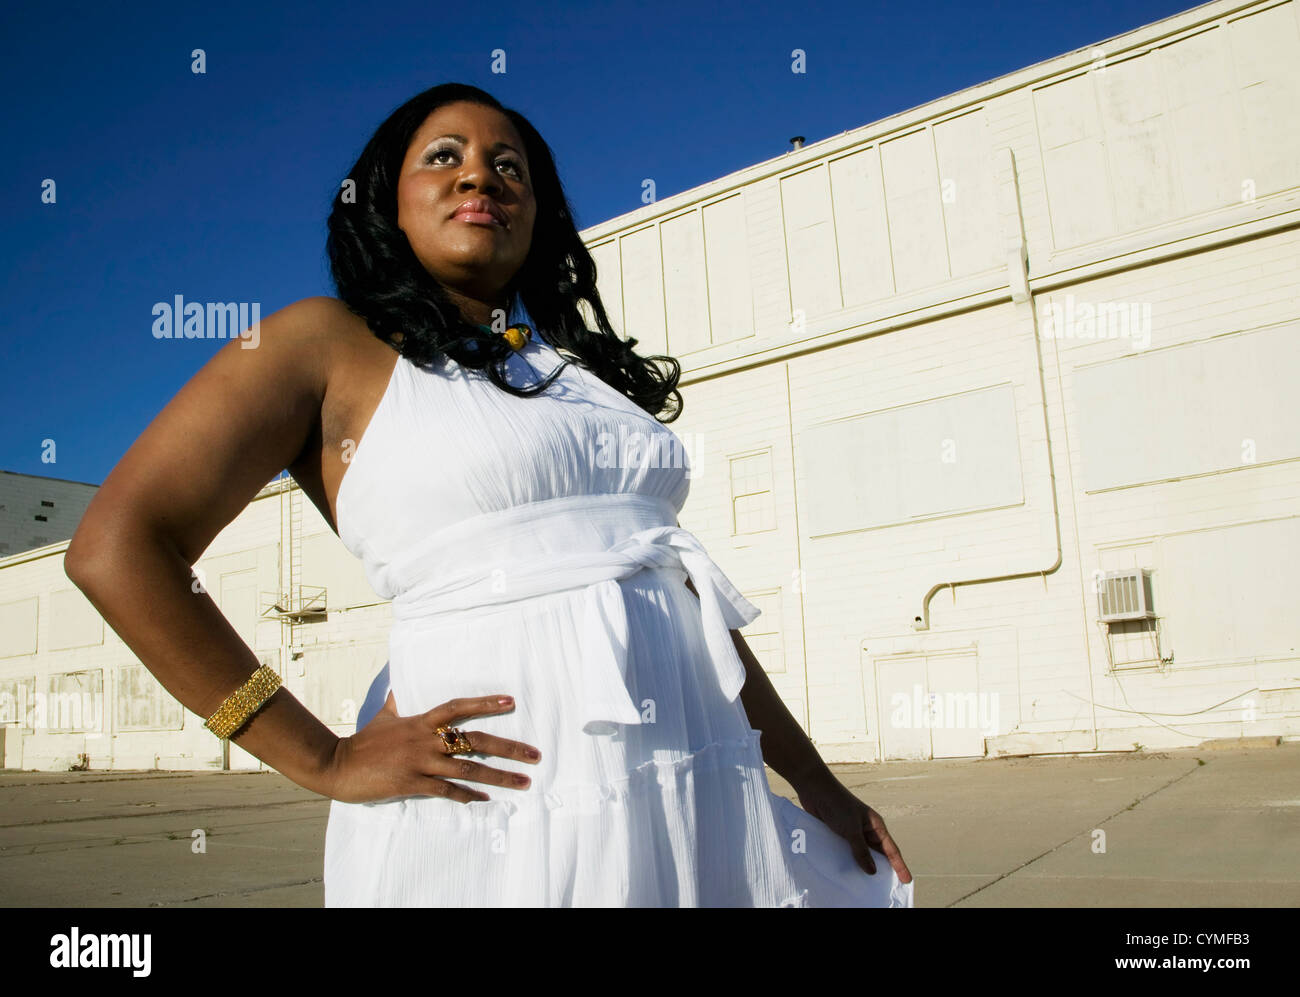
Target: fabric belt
(604,625)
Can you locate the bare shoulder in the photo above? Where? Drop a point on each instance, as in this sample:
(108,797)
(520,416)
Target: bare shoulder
(339,338)
(321,312)
(320,321)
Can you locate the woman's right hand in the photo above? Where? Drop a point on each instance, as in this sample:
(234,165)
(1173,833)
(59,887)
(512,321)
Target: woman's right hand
(395,756)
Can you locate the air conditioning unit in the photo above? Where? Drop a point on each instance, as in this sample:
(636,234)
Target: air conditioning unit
(1126,595)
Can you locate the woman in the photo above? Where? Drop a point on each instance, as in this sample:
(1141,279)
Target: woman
(457,457)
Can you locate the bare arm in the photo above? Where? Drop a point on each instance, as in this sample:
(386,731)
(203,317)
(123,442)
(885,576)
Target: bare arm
(245,416)
(786,748)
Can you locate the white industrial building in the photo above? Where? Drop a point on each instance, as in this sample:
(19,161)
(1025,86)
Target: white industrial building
(36,511)
(991,407)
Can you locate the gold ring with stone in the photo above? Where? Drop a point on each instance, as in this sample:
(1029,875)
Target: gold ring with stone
(455,740)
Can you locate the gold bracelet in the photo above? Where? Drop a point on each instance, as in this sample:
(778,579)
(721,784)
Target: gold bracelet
(243,702)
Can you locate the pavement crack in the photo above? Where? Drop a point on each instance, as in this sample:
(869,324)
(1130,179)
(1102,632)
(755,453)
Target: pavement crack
(240,893)
(1059,845)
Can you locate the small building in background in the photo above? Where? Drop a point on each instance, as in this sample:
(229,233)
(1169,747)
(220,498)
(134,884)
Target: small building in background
(36,511)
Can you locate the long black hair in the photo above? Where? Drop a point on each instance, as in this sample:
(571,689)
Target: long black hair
(378,276)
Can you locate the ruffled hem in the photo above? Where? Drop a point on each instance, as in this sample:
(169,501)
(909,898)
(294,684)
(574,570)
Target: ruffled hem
(703,829)
(697,830)
(823,863)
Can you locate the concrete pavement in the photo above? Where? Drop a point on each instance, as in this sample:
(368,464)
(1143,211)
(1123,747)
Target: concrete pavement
(1198,827)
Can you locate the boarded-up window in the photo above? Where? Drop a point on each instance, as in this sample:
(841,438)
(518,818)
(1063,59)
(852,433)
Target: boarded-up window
(947,455)
(142,702)
(74,622)
(764,636)
(753,509)
(74,701)
(1216,405)
(18,701)
(18,627)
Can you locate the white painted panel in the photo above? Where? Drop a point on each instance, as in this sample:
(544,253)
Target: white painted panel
(861,228)
(74,622)
(643,291)
(842,488)
(1229,593)
(961,453)
(1204,119)
(609,284)
(1195,68)
(18,627)
(900,687)
(1131,98)
(686,303)
(1266,57)
(1074,162)
(810,243)
(958,713)
(966,184)
(726,254)
(912,198)
(1066,113)
(239,602)
(947,455)
(1192,409)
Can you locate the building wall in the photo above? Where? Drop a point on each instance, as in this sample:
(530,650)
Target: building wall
(897,318)
(908,444)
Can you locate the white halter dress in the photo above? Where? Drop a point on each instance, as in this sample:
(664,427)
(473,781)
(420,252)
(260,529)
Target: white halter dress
(530,547)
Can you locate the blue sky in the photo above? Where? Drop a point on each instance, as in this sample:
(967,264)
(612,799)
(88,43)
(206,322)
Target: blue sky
(216,186)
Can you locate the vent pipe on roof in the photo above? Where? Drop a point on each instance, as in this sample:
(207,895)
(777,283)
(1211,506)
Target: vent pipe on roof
(797,142)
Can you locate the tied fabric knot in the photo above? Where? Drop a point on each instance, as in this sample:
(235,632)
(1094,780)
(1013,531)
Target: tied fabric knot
(603,626)
(607,701)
